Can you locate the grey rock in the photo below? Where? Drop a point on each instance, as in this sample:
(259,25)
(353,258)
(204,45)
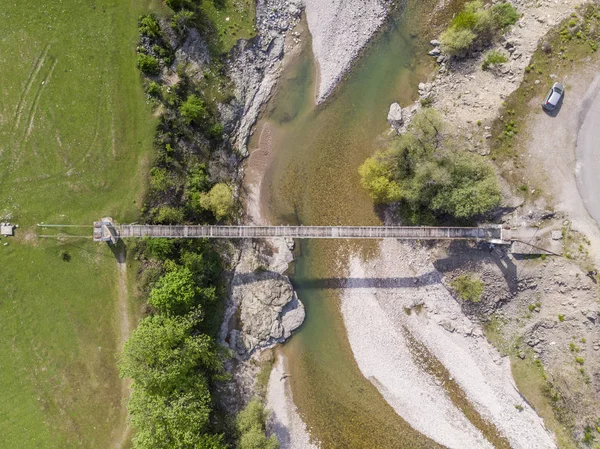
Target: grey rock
(557,235)
(448,325)
(435,52)
(435,42)
(395,117)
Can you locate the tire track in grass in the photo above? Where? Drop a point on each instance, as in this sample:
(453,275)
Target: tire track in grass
(32,75)
(36,100)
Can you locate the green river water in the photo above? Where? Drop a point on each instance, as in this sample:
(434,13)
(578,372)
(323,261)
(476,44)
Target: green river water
(314,181)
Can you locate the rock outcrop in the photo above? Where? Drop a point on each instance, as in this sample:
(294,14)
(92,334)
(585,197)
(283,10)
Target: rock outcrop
(262,299)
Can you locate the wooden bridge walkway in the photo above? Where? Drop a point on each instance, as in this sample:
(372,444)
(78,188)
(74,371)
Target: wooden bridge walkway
(106,230)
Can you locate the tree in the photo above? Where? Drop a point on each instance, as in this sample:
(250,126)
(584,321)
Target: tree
(192,109)
(375,178)
(169,215)
(425,172)
(178,420)
(149,26)
(219,200)
(162,355)
(250,424)
(175,292)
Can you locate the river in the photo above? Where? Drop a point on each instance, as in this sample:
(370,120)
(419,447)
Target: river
(314,181)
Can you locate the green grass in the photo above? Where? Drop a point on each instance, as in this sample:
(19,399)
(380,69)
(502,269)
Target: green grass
(75,141)
(241,15)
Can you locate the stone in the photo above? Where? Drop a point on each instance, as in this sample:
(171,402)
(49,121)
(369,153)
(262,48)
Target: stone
(395,117)
(557,235)
(435,42)
(435,52)
(591,316)
(448,325)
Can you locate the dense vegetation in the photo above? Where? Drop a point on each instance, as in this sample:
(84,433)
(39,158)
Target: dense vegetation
(477,24)
(172,355)
(425,171)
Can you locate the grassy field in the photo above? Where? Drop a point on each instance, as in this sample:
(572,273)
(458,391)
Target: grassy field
(75,141)
(232,21)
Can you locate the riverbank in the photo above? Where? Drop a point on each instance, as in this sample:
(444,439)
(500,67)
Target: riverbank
(388,304)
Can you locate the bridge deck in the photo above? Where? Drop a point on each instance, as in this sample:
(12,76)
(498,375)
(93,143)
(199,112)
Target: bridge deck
(103,231)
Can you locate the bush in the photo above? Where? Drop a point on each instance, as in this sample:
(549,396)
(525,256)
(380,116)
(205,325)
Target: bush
(493,57)
(219,200)
(181,21)
(154,89)
(468,287)
(192,109)
(250,424)
(147,64)
(148,26)
(160,180)
(476,23)
(457,41)
(169,215)
(504,15)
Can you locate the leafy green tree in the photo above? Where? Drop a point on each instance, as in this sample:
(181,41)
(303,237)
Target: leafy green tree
(193,110)
(250,424)
(178,420)
(219,200)
(176,292)
(375,178)
(162,355)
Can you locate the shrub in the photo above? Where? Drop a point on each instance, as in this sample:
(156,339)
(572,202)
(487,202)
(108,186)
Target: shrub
(219,200)
(456,41)
(561,318)
(192,109)
(154,89)
(493,57)
(148,26)
(160,179)
(250,424)
(169,215)
(147,64)
(504,15)
(468,287)
(181,21)
(579,360)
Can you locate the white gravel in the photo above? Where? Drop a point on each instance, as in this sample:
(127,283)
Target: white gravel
(374,317)
(284,420)
(340,29)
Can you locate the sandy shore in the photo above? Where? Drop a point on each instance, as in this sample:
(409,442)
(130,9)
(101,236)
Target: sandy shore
(284,420)
(376,320)
(340,29)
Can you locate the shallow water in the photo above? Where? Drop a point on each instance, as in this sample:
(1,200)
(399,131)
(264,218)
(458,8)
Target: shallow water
(314,181)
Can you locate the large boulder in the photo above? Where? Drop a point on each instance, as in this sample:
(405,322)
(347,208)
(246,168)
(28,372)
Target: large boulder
(264,309)
(395,117)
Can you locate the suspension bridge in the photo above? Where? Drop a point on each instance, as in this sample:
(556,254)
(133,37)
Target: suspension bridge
(106,230)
